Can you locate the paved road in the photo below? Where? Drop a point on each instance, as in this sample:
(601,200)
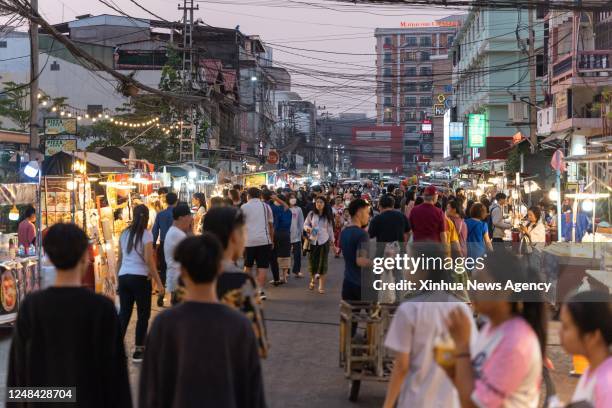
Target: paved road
(302,369)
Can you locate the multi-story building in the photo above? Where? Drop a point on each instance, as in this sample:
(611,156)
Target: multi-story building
(490,71)
(376,151)
(442,99)
(405,79)
(579,82)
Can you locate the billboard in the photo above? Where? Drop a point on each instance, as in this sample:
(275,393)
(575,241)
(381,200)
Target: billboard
(60,126)
(53,146)
(455,135)
(477,130)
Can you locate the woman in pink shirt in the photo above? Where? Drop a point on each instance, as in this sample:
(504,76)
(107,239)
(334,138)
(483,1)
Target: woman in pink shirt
(504,367)
(26,232)
(586,329)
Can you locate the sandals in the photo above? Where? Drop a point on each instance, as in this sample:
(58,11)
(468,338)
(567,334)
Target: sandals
(311,285)
(321,291)
(299,275)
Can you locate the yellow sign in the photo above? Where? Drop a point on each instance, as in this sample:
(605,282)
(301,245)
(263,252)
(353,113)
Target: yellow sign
(53,146)
(255,180)
(60,126)
(441,98)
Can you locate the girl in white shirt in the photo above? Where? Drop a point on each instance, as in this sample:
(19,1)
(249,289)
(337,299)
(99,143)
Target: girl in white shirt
(319,225)
(137,268)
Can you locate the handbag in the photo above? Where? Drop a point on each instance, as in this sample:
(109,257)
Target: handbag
(306,246)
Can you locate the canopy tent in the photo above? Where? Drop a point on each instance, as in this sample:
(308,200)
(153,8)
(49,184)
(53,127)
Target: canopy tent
(61,164)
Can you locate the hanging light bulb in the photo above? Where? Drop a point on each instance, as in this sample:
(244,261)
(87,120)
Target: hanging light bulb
(44,103)
(587,205)
(53,109)
(39,96)
(106,116)
(69,114)
(553,194)
(79,117)
(14,213)
(87,115)
(112,120)
(99,115)
(93,120)
(62,113)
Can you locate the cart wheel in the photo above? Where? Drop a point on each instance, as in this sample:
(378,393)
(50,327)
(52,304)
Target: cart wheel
(354,386)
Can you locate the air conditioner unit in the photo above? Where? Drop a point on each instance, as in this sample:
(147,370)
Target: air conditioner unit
(518,112)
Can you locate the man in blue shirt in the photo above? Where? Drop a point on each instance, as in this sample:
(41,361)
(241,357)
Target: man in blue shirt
(282,235)
(353,241)
(163,222)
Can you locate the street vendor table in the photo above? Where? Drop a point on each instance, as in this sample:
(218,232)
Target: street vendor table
(600,280)
(565,264)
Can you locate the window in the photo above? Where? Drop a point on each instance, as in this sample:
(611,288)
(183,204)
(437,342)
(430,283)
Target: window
(411,71)
(422,115)
(540,12)
(387,87)
(425,42)
(425,86)
(410,87)
(410,101)
(540,67)
(387,101)
(388,116)
(387,40)
(55,66)
(387,72)
(3,44)
(425,71)
(425,101)
(424,56)
(411,116)
(387,57)
(410,56)
(411,41)
(449,40)
(410,129)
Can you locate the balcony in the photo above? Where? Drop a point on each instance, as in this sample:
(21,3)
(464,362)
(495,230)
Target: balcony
(562,66)
(588,126)
(597,62)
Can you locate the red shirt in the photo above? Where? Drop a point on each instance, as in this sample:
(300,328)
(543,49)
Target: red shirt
(427,222)
(26,233)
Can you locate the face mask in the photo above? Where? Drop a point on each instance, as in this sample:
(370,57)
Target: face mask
(292,201)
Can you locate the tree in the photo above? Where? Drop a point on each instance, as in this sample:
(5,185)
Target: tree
(15,104)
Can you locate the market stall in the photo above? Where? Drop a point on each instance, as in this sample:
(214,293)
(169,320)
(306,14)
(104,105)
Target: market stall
(19,267)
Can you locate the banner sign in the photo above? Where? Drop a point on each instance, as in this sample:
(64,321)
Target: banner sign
(53,146)
(60,126)
(477,130)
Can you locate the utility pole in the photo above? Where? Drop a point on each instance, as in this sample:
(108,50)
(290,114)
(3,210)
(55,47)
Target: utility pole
(187,135)
(533,113)
(34,138)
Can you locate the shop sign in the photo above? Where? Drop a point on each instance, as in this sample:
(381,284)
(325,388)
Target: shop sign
(273,157)
(426,126)
(255,180)
(477,128)
(517,138)
(60,126)
(439,110)
(53,146)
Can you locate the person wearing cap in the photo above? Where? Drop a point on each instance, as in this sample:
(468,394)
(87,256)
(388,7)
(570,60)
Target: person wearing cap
(428,221)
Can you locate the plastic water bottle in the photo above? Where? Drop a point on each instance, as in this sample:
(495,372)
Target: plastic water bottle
(21,251)
(31,250)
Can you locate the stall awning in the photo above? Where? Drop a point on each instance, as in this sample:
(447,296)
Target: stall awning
(61,164)
(593,157)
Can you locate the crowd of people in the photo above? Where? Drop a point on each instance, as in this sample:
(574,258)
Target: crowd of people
(210,261)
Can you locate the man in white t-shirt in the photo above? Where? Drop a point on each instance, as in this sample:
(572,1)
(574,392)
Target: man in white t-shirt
(181,227)
(259,223)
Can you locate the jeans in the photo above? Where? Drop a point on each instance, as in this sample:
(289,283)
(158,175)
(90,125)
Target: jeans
(135,289)
(351,293)
(161,262)
(296,251)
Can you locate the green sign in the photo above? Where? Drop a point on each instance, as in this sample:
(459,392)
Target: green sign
(477,130)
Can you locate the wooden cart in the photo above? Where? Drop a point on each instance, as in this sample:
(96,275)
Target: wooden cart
(363,356)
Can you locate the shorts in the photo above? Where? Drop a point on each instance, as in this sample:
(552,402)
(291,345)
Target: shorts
(259,255)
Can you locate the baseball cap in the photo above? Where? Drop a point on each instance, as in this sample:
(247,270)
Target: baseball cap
(430,191)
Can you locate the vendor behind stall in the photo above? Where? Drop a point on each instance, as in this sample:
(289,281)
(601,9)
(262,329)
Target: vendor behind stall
(26,232)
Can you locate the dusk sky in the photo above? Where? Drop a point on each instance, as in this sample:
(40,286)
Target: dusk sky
(319,32)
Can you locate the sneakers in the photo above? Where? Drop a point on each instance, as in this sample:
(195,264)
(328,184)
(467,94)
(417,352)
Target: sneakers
(138,354)
(160,301)
(262,295)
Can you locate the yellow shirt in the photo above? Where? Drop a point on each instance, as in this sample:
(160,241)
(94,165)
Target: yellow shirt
(451,235)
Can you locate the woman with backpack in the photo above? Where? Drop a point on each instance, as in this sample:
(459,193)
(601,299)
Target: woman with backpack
(136,269)
(319,225)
